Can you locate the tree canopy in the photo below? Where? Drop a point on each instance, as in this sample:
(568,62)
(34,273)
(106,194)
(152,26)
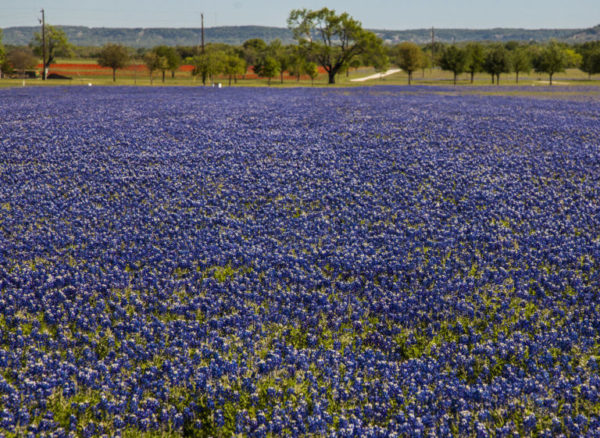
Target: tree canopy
(497,61)
(475,59)
(454,59)
(408,56)
(57,44)
(552,59)
(114,56)
(332,40)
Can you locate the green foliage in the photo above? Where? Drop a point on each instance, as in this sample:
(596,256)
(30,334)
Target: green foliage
(590,60)
(171,57)
(408,56)
(521,61)
(233,65)
(475,59)
(267,67)
(332,40)
(497,61)
(454,59)
(114,56)
(312,70)
(57,45)
(2,51)
(208,64)
(552,59)
(155,62)
(21,59)
(253,49)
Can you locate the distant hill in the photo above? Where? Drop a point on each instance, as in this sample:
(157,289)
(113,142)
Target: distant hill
(591,34)
(140,37)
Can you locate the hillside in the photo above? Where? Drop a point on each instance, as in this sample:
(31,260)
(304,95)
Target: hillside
(591,34)
(139,37)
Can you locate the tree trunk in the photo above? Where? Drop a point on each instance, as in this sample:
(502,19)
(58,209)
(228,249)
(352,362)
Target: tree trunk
(230,80)
(151,79)
(551,78)
(455,75)
(281,76)
(498,79)
(409,77)
(172,74)
(493,79)
(163,77)
(114,75)
(331,75)
(269,81)
(472,76)
(517,76)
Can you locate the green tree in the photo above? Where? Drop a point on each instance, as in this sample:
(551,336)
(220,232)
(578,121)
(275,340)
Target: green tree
(297,60)
(154,62)
(232,66)
(453,59)
(21,59)
(521,61)
(173,60)
(2,55)
(281,54)
(253,49)
(551,59)
(408,56)
(312,70)
(497,61)
(114,56)
(590,61)
(208,64)
(333,40)
(475,59)
(267,67)
(57,44)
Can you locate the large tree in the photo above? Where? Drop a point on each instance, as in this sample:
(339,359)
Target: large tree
(267,67)
(552,59)
(497,61)
(114,56)
(173,60)
(333,40)
(453,59)
(21,59)
(520,59)
(253,49)
(233,65)
(154,62)
(57,44)
(408,56)
(590,62)
(208,64)
(475,59)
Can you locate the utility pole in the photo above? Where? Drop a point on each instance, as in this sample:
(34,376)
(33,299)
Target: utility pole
(202,19)
(43,46)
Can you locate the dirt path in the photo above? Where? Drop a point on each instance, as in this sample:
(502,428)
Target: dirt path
(376,75)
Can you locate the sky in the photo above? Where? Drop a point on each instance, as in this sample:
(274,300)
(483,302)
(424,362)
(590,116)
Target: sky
(374,14)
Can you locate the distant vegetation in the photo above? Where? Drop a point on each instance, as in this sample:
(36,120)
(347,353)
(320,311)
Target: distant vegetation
(236,35)
(315,41)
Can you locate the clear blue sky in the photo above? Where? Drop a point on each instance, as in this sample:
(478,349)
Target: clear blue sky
(374,14)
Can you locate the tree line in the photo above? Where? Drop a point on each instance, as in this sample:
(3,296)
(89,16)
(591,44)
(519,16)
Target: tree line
(335,42)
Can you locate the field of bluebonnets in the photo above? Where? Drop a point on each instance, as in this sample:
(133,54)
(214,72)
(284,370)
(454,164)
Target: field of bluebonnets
(348,262)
